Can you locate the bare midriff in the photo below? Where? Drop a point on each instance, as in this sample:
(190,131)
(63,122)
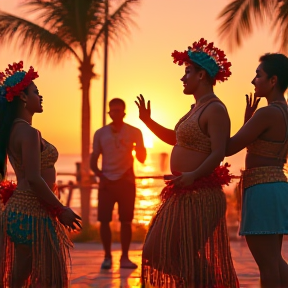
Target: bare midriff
(185,160)
(253,160)
(48,175)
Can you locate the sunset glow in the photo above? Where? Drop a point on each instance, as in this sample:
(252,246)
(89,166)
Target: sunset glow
(148,140)
(141,63)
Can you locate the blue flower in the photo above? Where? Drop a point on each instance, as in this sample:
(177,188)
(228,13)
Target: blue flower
(14,79)
(205,61)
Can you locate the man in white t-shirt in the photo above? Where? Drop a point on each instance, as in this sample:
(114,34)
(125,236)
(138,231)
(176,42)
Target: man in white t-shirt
(115,142)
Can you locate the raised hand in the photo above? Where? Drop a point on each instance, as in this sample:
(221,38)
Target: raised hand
(252,104)
(70,219)
(144,112)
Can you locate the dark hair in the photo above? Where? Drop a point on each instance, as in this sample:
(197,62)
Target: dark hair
(8,113)
(117,101)
(198,68)
(276,64)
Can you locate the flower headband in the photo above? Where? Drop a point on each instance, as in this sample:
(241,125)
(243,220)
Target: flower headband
(14,80)
(210,58)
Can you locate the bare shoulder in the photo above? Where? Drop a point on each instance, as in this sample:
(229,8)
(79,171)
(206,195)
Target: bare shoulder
(266,112)
(216,108)
(25,132)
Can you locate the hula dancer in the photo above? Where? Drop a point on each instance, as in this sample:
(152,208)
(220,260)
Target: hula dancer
(187,243)
(265,188)
(34,248)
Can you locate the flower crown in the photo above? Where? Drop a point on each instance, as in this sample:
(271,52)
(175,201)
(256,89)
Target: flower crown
(14,80)
(210,58)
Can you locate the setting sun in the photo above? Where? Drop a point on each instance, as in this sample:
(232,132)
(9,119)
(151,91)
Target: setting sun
(148,140)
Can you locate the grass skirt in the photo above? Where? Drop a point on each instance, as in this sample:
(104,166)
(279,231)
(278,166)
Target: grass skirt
(25,221)
(187,243)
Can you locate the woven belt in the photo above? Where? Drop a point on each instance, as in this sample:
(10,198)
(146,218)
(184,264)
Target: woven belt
(260,175)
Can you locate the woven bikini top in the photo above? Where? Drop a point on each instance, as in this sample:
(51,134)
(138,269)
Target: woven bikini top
(272,149)
(49,156)
(189,133)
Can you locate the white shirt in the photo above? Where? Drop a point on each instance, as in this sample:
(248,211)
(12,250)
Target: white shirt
(116,149)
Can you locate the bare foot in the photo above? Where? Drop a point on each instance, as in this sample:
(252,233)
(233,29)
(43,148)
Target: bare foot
(127,264)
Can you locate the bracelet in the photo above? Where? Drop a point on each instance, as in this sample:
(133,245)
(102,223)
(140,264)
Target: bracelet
(57,211)
(54,211)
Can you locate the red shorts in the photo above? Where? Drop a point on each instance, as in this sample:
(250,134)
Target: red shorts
(122,191)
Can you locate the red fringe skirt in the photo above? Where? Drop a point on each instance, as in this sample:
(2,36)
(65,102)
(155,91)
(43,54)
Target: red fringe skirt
(24,221)
(187,243)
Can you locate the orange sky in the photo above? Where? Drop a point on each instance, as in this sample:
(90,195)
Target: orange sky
(142,64)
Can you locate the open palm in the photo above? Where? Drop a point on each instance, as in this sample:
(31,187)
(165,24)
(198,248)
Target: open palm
(70,219)
(251,106)
(144,111)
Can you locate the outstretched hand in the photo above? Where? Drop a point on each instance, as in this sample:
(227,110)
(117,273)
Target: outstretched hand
(144,112)
(70,219)
(251,106)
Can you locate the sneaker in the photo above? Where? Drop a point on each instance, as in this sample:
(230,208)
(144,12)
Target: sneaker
(107,263)
(127,264)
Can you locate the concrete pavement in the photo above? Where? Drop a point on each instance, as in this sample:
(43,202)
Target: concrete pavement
(87,259)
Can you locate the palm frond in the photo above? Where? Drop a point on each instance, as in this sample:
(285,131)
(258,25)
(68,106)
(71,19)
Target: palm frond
(238,17)
(281,21)
(63,26)
(33,38)
(71,20)
(117,23)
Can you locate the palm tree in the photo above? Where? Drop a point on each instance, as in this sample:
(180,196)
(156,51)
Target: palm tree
(239,16)
(75,28)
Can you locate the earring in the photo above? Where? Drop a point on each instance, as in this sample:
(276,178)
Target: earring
(24,104)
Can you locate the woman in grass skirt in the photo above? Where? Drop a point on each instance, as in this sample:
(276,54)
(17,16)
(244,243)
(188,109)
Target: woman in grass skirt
(34,248)
(187,243)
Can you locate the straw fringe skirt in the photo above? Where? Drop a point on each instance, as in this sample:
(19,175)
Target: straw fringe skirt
(25,221)
(187,243)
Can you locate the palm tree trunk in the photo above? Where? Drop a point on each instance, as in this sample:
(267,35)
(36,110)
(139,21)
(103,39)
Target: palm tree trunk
(105,63)
(85,78)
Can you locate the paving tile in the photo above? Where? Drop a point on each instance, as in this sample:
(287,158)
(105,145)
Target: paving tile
(87,259)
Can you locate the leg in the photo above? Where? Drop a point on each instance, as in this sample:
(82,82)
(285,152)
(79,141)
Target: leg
(283,266)
(105,233)
(106,201)
(22,265)
(126,201)
(266,252)
(126,236)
